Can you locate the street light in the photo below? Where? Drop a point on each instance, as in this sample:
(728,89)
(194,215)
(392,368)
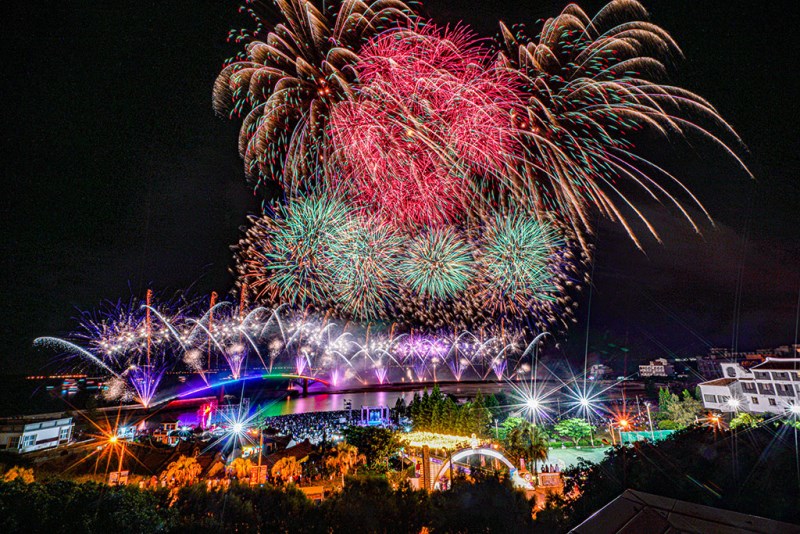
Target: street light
(650,420)
(623,423)
(734,404)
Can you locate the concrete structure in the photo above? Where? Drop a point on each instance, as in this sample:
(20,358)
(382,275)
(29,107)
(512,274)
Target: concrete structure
(769,387)
(28,436)
(658,368)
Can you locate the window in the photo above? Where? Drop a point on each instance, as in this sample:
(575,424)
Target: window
(64,434)
(780,376)
(723,399)
(749,386)
(13,442)
(28,441)
(710,398)
(754,400)
(761,375)
(772,402)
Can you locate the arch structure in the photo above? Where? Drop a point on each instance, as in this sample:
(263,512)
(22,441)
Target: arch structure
(462,454)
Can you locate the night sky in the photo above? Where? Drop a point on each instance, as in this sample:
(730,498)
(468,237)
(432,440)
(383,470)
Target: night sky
(118,176)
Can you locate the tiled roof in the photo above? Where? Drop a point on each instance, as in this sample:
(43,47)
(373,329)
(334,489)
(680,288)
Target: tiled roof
(635,511)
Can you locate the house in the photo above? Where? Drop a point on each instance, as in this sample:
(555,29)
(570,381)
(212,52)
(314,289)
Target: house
(27,435)
(769,387)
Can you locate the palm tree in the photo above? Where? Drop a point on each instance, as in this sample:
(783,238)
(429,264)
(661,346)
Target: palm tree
(287,469)
(344,458)
(527,441)
(19,473)
(183,471)
(240,468)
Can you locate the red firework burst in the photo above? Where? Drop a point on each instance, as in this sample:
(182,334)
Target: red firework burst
(429,125)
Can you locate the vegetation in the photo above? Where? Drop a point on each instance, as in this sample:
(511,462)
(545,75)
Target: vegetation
(22,474)
(436,412)
(343,458)
(695,465)
(676,413)
(182,472)
(575,429)
(527,441)
(286,470)
(366,505)
(240,468)
(376,444)
(745,420)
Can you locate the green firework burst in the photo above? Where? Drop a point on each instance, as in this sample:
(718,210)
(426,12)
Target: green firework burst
(438,263)
(515,262)
(363,260)
(283,260)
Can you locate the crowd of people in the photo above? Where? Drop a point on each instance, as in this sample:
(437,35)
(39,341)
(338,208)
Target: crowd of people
(313,426)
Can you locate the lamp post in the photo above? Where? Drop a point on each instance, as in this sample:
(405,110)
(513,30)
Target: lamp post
(623,423)
(650,421)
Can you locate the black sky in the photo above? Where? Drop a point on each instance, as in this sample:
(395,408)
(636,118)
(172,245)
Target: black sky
(117,176)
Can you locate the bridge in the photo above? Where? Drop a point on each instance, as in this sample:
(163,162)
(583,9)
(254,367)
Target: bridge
(262,376)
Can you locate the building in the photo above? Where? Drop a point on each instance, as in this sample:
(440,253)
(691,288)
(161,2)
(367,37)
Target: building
(709,365)
(768,387)
(658,368)
(599,371)
(21,436)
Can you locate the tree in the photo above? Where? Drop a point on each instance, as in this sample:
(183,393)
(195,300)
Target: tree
(745,420)
(19,473)
(343,458)
(527,441)
(287,469)
(508,425)
(240,468)
(182,472)
(575,429)
(683,411)
(664,400)
(376,444)
(486,506)
(696,454)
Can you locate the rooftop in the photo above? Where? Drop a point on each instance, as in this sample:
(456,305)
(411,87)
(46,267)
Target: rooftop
(635,511)
(719,382)
(778,364)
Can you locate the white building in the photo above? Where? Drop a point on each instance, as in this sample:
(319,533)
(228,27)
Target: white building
(28,437)
(769,387)
(659,368)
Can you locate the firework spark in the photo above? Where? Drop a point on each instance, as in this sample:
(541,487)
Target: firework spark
(438,263)
(430,124)
(289,77)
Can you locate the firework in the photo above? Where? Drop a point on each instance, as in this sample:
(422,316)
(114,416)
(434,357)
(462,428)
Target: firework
(515,262)
(135,342)
(363,258)
(289,77)
(588,84)
(438,263)
(430,126)
(281,259)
